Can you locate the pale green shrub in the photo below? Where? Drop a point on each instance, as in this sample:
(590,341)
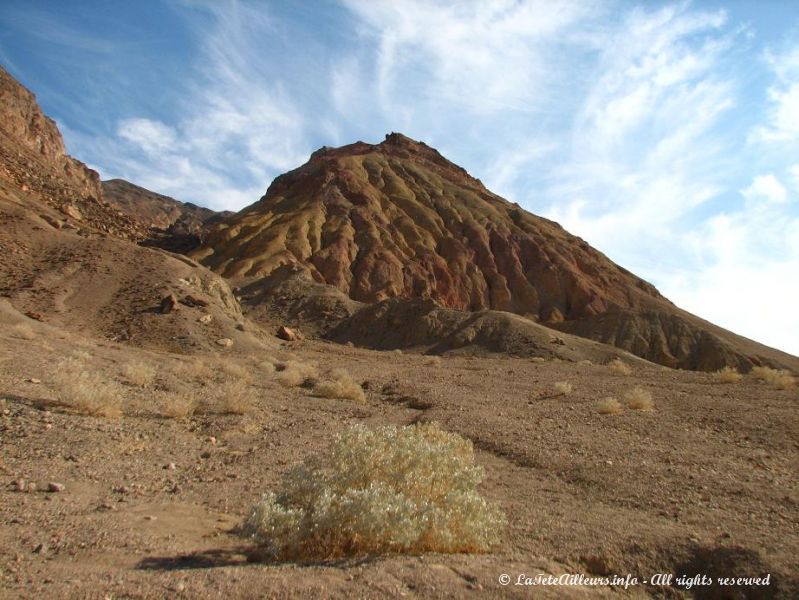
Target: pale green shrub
(409,489)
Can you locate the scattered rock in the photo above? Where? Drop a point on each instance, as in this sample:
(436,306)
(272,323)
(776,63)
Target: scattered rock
(55,487)
(205,319)
(240,326)
(288,334)
(34,315)
(18,485)
(224,342)
(72,211)
(40,549)
(170,467)
(169,304)
(558,340)
(194,301)
(33,380)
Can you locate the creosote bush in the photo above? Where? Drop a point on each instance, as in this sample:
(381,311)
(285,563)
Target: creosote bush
(388,490)
(339,384)
(86,391)
(178,406)
(619,367)
(639,399)
(433,361)
(610,406)
(728,375)
(236,397)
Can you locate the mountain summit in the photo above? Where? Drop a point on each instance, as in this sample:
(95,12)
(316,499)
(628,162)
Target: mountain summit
(397,219)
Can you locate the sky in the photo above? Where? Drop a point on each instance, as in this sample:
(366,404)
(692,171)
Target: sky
(664,134)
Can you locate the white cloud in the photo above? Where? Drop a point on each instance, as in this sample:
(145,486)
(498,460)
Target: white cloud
(150,136)
(765,188)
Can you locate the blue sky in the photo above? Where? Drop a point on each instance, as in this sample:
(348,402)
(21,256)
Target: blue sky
(665,134)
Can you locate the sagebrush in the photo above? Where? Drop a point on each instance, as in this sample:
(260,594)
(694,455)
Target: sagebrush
(619,367)
(779,378)
(639,399)
(610,406)
(388,490)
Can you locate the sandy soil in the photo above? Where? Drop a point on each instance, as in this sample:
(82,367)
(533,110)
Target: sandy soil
(704,484)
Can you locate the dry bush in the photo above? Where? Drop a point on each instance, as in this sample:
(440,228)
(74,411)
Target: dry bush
(433,361)
(619,367)
(231,370)
(780,379)
(293,373)
(266,366)
(22,331)
(236,397)
(398,351)
(389,490)
(194,369)
(138,373)
(639,399)
(178,406)
(86,391)
(610,406)
(728,375)
(562,388)
(339,384)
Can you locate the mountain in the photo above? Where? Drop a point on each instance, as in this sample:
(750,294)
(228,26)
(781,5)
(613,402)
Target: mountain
(34,161)
(398,220)
(174,225)
(68,257)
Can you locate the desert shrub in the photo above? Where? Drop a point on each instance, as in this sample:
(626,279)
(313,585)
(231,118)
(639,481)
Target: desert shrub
(398,351)
(728,375)
(86,391)
(562,388)
(609,406)
(339,384)
(231,370)
(194,370)
(293,373)
(639,399)
(178,406)
(22,331)
(619,367)
(780,379)
(408,489)
(236,397)
(433,361)
(138,373)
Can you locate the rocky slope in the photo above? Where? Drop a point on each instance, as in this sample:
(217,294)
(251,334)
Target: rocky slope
(174,225)
(34,161)
(397,219)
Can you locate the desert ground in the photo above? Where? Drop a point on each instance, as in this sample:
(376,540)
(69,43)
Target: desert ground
(149,502)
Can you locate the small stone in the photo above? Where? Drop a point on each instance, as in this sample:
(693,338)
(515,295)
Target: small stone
(286,333)
(194,301)
(34,315)
(48,425)
(33,380)
(205,319)
(122,489)
(55,487)
(169,304)
(18,485)
(32,487)
(150,518)
(170,466)
(106,506)
(609,462)
(40,549)
(212,439)
(224,342)
(240,326)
